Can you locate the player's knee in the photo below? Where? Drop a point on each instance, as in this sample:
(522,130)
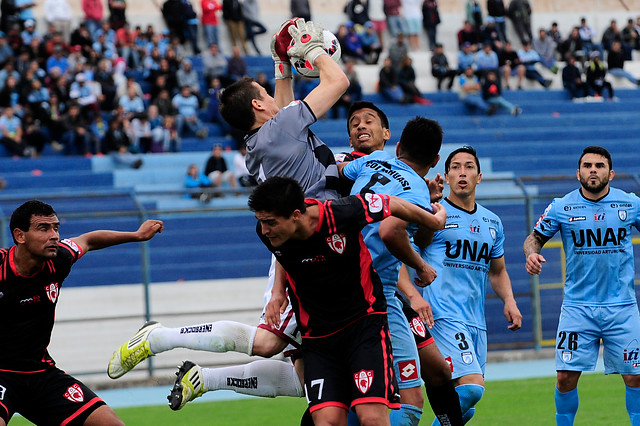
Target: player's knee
(435,370)
(567,380)
(266,344)
(412,396)
(633,381)
(103,416)
(469,395)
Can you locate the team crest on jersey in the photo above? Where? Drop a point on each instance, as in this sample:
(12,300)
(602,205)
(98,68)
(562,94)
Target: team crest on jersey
(375,202)
(52,292)
(493,233)
(467,357)
(72,244)
(74,393)
(417,326)
(337,242)
(622,214)
(363,379)
(566,356)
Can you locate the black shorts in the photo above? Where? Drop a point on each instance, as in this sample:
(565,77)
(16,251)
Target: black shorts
(420,332)
(353,366)
(47,397)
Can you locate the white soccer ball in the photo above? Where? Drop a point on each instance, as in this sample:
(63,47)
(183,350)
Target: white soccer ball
(331,46)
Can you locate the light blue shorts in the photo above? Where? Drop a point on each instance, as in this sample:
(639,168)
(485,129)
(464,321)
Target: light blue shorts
(464,347)
(579,332)
(406,362)
(414,26)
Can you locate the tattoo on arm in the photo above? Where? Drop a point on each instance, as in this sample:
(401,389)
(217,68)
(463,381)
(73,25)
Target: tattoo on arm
(534,243)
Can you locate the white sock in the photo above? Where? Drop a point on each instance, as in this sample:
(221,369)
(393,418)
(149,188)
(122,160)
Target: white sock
(220,336)
(267,377)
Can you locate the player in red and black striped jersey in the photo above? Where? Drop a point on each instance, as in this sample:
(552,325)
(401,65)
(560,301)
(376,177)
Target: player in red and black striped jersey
(31,275)
(336,293)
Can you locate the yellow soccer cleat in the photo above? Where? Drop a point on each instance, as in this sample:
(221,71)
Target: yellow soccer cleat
(133,352)
(188,386)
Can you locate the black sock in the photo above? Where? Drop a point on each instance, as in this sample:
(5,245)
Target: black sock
(445,404)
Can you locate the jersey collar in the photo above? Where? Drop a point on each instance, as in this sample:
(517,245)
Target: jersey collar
(594,201)
(475,207)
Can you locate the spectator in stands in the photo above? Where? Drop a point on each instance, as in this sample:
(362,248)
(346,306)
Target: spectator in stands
(131,103)
(125,44)
(93,15)
(529,58)
(407,81)
(370,42)
(38,100)
(474,14)
(588,35)
(486,60)
(9,13)
(139,132)
(11,129)
(213,112)
(75,138)
(53,122)
(520,15)
(81,93)
(232,15)
(350,42)
(104,77)
(25,11)
(240,168)
(187,106)
(215,65)
(573,46)
(489,34)
(98,131)
(117,13)
(440,68)
(164,104)
(411,10)
(171,141)
(497,10)
(57,60)
(210,21)
(389,86)
(10,94)
(398,49)
(555,34)
(58,13)
(195,179)
(378,19)
(216,169)
(395,20)
(118,145)
(253,26)
(468,34)
(187,76)
(300,9)
(357,12)
(6,52)
(596,73)
(236,66)
(104,47)
(466,57)
(172,15)
(615,61)
(611,34)
(8,71)
(430,21)
(191,25)
(29,32)
(492,94)
(471,93)
(546,49)
(60,88)
(630,36)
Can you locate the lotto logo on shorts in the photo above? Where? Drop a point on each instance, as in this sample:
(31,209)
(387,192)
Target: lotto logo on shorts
(450,362)
(363,380)
(408,370)
(74,393)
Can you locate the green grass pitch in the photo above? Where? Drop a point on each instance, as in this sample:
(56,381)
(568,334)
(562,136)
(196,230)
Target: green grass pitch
(511,402)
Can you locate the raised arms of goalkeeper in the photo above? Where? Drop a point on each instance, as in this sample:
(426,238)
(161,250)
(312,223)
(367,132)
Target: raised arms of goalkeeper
(333,81)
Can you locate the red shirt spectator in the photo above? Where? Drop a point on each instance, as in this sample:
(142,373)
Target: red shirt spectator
(209,12)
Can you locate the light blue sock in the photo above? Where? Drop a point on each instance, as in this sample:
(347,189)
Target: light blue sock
(633,405)
(352,419)
(407,415)
(566,407)
(469,396)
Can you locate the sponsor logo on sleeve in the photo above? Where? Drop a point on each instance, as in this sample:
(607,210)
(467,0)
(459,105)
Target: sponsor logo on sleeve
(375,202)
(72,244)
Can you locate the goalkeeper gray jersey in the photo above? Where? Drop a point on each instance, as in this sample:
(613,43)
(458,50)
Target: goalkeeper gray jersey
(284,146)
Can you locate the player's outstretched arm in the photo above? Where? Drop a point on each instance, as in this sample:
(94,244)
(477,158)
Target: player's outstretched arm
(531,247)
(501,284)
(96,240)
(411,213)
(283,93)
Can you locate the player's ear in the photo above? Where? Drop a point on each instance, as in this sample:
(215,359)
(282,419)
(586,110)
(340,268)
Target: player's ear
(386,134)
(257,104)
(479,178)
(578,174)
(435,161)
(611,174)
(18,235)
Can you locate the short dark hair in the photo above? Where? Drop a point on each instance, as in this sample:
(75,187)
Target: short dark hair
(596,150)
(468,149)
(358,105)
(278,195)
(421,140)
(235,104)
(21,217)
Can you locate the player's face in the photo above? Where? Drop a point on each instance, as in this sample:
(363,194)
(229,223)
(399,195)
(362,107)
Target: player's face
(594,173)
(42,238)
(463,175)
(277,229)
(266,102)
(366,133)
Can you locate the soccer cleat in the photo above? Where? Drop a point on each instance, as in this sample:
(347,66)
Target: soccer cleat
(133,352)
(188,386)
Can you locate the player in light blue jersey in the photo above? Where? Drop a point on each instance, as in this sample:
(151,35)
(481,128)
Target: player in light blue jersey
(466,254)
(599,302)
(389,242)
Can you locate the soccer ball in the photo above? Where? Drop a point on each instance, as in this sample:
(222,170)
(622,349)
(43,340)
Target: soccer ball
(331,46)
